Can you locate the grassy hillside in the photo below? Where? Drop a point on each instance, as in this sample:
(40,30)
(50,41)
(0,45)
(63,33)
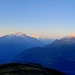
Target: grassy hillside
(26,69)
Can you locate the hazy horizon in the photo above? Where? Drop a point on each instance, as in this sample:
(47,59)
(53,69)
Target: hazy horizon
(43,18)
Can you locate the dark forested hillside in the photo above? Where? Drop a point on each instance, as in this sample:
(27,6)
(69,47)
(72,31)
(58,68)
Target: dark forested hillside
(27,69)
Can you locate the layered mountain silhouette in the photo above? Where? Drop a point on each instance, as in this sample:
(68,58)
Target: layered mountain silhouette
(20,48)
(58,55)
(11,45)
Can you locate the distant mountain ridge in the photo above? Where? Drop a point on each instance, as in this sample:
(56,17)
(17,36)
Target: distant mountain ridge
(26,37)
(19,34)
(67,40)
(46,40)
(70,36)
(12,44)
(59,55)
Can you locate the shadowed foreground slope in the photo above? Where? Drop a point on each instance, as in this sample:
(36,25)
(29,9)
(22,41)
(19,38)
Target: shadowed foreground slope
(27,69)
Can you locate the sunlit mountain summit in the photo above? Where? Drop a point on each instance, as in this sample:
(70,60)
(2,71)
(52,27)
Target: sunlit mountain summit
(70,36)
(20,34)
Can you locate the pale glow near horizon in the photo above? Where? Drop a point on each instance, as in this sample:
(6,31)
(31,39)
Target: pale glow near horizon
(37,35)
(46,18)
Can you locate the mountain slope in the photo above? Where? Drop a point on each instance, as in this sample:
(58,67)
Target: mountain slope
(27,69)
(58,55)
(11,45)
(46,41)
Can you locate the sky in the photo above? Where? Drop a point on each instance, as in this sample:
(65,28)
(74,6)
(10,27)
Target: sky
(44,18)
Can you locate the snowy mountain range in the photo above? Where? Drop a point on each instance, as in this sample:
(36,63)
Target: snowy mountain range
(12,44)
(70,36)
(59,55)
(45,41)
(21,48)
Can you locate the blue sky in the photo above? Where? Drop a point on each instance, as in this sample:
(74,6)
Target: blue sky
(46,18)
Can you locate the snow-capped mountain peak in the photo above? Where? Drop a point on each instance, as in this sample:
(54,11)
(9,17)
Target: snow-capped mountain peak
(70,36)
(19,34)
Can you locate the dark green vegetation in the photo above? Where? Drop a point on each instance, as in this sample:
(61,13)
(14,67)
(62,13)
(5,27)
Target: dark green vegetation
(26,69)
